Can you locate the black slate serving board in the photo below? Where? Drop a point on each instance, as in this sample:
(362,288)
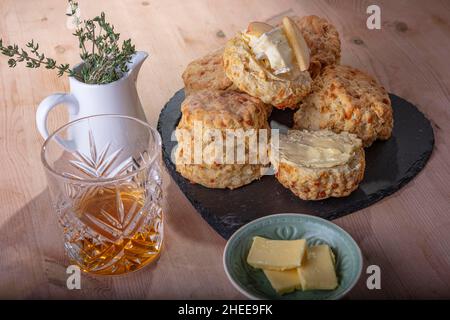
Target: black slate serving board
(389,166)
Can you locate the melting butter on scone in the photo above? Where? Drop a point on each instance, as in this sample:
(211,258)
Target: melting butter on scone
(284,47)
(273,46)
(270,63)
(276,255)
(317,149)
(318,270)
(271,73)
(318,164)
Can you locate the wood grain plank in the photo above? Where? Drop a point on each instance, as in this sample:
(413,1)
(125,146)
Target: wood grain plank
(405,234)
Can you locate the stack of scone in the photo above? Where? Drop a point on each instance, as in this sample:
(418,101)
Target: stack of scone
(293,65)
(217,111)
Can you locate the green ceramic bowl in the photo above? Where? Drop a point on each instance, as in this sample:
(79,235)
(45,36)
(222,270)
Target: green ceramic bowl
(252,282)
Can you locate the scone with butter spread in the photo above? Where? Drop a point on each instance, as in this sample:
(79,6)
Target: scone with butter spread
(270,63)
(208,118)
(347,99)
(206,73)
(320,164)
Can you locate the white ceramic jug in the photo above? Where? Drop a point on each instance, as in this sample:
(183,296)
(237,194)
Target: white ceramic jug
(118,97)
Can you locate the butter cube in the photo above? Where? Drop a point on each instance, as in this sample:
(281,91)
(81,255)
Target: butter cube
(317,272)
(283,281)
(276,254)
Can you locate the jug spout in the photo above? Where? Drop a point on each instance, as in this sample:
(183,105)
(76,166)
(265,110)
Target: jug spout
(135,63)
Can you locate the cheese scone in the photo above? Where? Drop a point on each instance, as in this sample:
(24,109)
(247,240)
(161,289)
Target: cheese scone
(253,76)
(222,113)
(323,41)
(346,99)
(316,165)
(206,73)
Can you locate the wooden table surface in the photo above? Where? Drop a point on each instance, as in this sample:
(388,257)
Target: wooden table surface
(406,234)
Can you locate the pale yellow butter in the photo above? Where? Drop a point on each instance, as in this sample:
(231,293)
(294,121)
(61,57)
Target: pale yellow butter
(316,149)
(318,272)
(276,254)
(274,46)
(283,281)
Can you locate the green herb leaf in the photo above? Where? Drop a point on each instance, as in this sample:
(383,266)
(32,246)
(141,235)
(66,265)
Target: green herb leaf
(105,60)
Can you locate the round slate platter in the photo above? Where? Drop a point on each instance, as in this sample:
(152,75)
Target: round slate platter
(389,166)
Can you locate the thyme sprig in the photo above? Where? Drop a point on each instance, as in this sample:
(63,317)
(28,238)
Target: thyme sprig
(104,59)
(35,61)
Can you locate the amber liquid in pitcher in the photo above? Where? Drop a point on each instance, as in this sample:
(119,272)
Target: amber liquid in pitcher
(119,234)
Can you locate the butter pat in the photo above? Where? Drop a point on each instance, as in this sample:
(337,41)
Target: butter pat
(283,281)
(276,254)
(274,46)
(317,272)
(297,42)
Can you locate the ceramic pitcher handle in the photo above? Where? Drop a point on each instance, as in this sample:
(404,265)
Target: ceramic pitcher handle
(48,104)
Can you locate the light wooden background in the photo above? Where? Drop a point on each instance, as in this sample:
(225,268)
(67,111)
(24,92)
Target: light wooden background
(407,234)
